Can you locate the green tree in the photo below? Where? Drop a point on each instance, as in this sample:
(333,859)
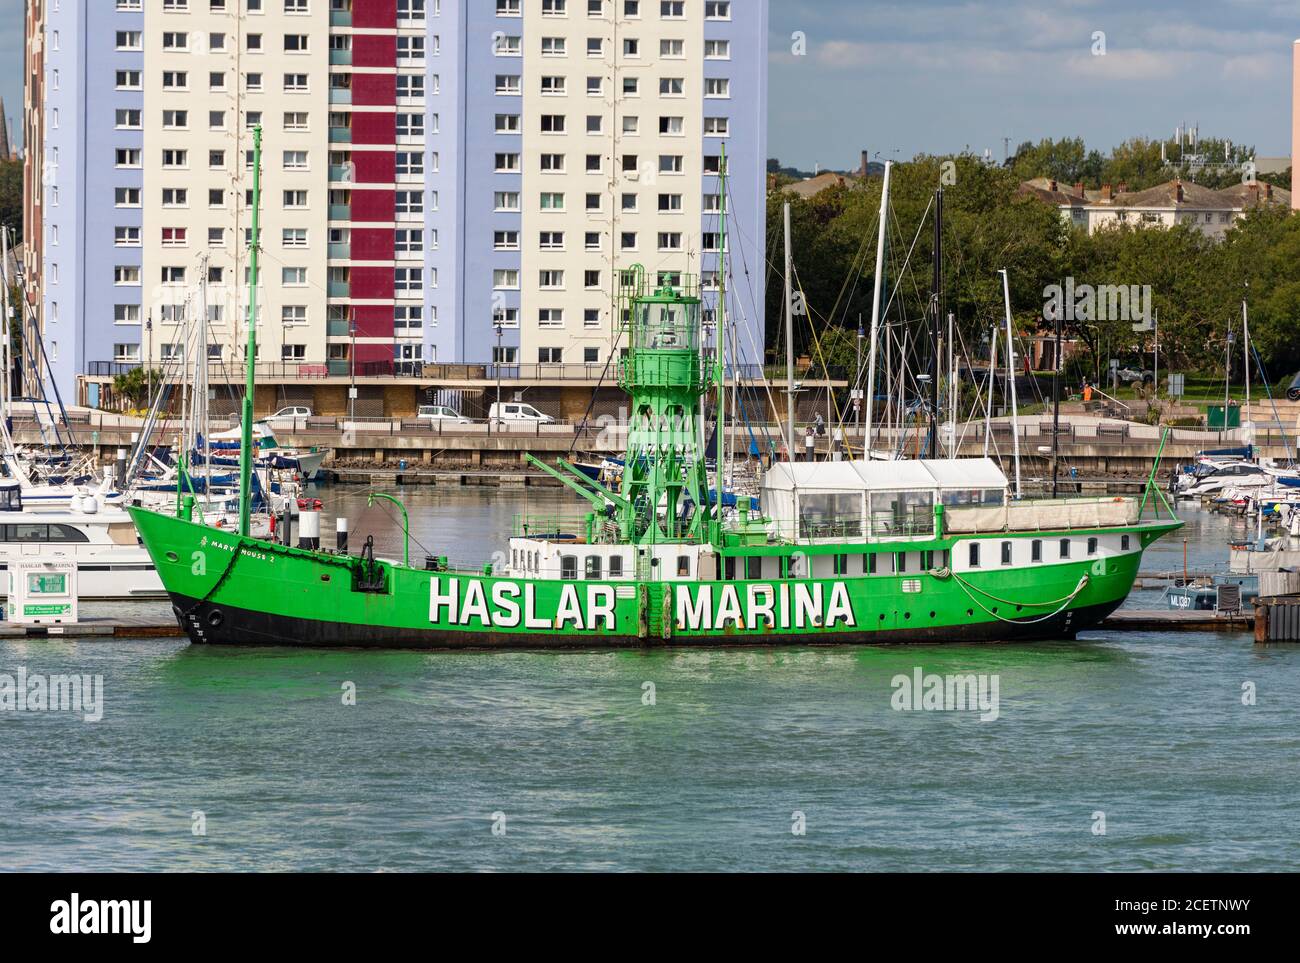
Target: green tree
(11,197)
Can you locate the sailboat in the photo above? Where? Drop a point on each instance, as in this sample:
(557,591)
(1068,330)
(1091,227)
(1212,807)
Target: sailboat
(843,552)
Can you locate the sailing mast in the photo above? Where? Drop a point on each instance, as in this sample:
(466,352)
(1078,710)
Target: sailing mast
(789,343)
(246,422)
(720,370)
(936,312)
(1011,377)
(870,400)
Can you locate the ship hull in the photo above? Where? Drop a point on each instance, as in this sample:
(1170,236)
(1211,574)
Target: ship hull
(227,590)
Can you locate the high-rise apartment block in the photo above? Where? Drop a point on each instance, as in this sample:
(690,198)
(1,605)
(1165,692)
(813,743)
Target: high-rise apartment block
(442,180)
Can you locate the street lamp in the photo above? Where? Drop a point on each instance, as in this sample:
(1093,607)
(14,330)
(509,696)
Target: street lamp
(352,358)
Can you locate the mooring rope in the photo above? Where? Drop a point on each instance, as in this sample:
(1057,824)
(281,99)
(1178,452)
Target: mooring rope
(1061,603)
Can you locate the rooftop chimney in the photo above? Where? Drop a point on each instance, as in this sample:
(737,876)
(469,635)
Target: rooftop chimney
(1178,191)
(1122,189)
(1078,188)
(1052,186)
(866,163)
(1268,191)
(1106,192)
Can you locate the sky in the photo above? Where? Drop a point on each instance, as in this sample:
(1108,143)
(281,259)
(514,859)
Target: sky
(901,77)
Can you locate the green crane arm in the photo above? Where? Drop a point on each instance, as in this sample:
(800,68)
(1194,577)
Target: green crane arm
(593,491)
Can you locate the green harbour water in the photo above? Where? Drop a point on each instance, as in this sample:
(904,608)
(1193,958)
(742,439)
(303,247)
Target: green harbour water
(1148,728)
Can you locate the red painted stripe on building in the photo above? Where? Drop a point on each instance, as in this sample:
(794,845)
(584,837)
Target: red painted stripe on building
(374,166)
(374,90)
(374,13)
(374,321)
(372,205)
(374,129)
(372,244)
(369,50)
(373,284)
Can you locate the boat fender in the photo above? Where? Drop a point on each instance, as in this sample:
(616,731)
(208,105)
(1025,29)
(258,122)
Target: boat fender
(90,505)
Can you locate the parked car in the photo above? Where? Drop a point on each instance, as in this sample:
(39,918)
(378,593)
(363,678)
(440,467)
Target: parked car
(441,413)
(290,412)
(518,411)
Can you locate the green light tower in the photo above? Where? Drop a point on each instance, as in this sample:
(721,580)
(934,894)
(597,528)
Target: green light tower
(665,484)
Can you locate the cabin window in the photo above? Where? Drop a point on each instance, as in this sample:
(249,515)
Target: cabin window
(823,516)
(1123,543)
(729,568)
(514,559)
(593,567)
(616,566)
(1065,548)
(1036,550)
(753,567)
(1006,553)
(569,566)
(902,513)
(947,558)
(869,564)
(841,565)
(975,555)
(960,497)
(927,558)
(902,562)
(683,566)
(1092,546)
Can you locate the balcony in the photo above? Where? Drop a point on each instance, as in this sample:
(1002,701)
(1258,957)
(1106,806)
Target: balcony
(340,18)
(340,95)
(340,135)
(340,58)
(342,173)
(338,369)
(340,212)
(340,250)
(337,328)
(340,289)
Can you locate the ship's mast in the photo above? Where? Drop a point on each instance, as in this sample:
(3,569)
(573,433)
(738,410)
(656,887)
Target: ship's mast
(246,422)
(870,400)
(720,335)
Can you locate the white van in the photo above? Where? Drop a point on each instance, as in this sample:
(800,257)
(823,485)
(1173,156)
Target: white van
(441,413)
(503,411)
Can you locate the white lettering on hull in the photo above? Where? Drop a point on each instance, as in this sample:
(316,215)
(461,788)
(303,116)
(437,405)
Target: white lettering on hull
(471,603)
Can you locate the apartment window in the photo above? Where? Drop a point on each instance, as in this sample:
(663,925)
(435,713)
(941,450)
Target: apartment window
(717,87)
(408,202)
(631,125)
(717,10)
(555,8)
(508,8)
(175,80)
(672,9)
(216,80)
(175,197)
(552,163)
(507,163)
(410,126)
(216,197)
(594,164)
(627,240)
(126,236)
(408,318)
(595,123)
(591,317)
(410,50)
(293,352)
(506,200)
(631,47)
(550,317)
(670,203)
(295,199)
(293,277)
(216,237)
(591,241)
(595,86)
(591,279)
(216,41)
(295,120)
(126,197)
(129,40)
(553,86)
(628,203)
(505,240)
(216,120)
(505,318)
(504,46)
(408,241)
(552,123)
(295,160)
(717,50)
(127,157)
(253,82)
(128,119)
(671,126)
(411,9)
(551,201)
(551,240)
(126,274)
(716,127)
(128,80)
(410,86)
(506,279)
(176,119)
(126,353)
(295,43)
(408,163)
(595,47)
(551,356)
(172,40)
(672,49)
(295,83)
(554,47)
(409,280)
(295,6)
(173,275)
(670,241)
(672,87)
(507,123)
(550,280)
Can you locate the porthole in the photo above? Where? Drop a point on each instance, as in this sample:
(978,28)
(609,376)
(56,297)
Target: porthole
(173,557)
(907,615)
(215,618)
(931,615)
(970,612)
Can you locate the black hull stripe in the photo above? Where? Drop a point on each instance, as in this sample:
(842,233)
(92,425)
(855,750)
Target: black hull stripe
(223,625)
